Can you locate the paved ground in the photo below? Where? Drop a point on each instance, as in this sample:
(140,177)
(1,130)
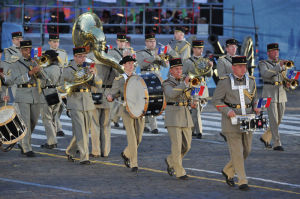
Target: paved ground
(49,175)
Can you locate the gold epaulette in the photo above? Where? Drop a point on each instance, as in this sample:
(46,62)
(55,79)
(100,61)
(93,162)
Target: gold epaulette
(252,77)
(118,78)
(13,59)
(188,43)
(61,50)
(223,77)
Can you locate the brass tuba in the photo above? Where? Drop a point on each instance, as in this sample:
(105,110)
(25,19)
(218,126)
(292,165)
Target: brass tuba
(88,31)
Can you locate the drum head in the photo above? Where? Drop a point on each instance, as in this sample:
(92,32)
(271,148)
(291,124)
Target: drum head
(12,127)
(136,96)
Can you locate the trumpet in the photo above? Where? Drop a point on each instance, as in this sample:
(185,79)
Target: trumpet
(195,80)
(289,64)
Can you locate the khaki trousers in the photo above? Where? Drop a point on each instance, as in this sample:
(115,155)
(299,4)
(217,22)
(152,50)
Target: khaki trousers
(196,116)
(100,132)
(57,117)
(134,131)
(30,114)
(239,147)
(275,113)
(181,139)
(151,121)
(81,124)
(48,117)
(116,112)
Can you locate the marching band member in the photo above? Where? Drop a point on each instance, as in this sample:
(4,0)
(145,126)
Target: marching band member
(100,129)
(81,105)
(236,94)
(52,75)
(224,65)
(13,53)
(54,42)
(178,119)
(179,44)
(4,70)
(192,65)
(270,71)
(25,73)
(14,50)
(118,53)
(134,127)
(150,62)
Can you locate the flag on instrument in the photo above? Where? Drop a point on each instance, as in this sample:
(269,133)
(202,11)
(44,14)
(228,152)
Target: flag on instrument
(294,75)
(198,91)
(109,47)
(36,51)
(264,102)
(163,49)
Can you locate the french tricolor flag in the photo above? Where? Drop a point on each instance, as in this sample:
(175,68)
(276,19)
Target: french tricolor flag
(198,91)
(109,47)
(264,102)
(36,51)
(163,50)
(294,75)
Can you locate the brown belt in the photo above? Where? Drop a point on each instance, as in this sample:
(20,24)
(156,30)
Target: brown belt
(238,106)
(274,83)
(26,85)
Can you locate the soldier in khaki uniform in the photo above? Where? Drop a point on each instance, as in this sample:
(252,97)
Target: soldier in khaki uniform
(236,95)
(270,71)
(118,53)
(63,62)
(197,65)
(13,53)
(150,62)
(14,50)
(134,127)
(81,105)
(177,118)
(4,70)
(25,73)
(51,80)
(181,47)
(100,130)
(224,65)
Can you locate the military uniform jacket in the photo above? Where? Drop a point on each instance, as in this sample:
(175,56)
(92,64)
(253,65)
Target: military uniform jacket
(4,85)
(182,48)
(117,89)
(19,75)
(52,74)
(63,56)
(149,61)
(224,95)
(80,101)
(176,116)
(12,52)
(224,65)
(271,73)
(189,66)
(107,74)
(116,53)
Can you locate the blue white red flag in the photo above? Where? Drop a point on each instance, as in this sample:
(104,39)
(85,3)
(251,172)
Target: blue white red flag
(36,51)
(294,74)
(264,102)
(198,91)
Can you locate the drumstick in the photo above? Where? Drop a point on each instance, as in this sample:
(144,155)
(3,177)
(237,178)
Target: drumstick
(6,93)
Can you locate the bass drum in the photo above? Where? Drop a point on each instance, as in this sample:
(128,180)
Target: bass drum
(12,127)
(144,95)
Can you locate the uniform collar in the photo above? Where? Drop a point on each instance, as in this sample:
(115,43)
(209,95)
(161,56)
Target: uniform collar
(239,79)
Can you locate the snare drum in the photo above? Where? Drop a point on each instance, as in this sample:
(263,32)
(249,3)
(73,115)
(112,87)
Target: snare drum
(144,95)
(12,127)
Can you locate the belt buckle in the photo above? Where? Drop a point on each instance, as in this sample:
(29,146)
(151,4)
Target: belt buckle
(81,90)
(276,83)
(180,104)
(238,106)
(29,85)
(152,69)
(86,90)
